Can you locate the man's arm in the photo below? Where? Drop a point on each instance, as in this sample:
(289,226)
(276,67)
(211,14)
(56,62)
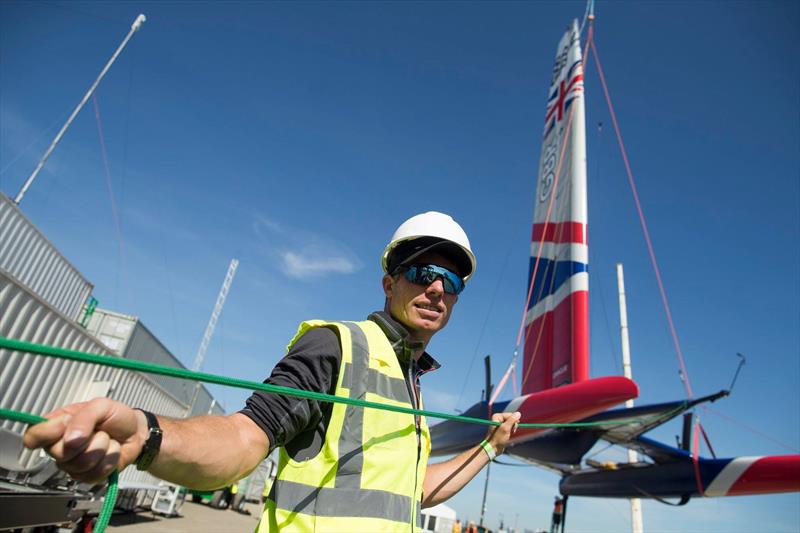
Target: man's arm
(88,440)
(443,480)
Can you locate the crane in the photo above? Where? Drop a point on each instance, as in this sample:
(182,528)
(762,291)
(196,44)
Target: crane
(212,322)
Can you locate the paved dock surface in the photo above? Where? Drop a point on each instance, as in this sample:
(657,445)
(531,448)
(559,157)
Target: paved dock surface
(195,518)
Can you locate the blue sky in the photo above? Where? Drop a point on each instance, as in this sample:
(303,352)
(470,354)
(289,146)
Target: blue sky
(297,136)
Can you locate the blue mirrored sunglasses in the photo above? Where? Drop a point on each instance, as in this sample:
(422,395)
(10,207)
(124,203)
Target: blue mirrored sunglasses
(427,274)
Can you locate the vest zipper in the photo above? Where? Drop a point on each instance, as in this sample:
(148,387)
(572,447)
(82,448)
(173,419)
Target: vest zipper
(411,382)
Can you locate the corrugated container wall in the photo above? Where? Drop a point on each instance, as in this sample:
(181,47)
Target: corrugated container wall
(131,339)
(38,384)
(27,255)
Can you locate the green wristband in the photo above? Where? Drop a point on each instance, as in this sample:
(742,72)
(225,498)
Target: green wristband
(489,449)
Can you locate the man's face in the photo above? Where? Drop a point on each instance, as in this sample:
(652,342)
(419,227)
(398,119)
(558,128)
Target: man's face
(422,309)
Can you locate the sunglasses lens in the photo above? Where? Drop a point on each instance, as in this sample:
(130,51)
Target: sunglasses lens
(427,274)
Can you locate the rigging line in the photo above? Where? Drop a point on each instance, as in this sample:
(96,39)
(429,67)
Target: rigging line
(696,455)
(157,202)
(114,211)
(485,322)
(540,333)
(598,452)
(586,14)
(753,430)
(549,209)
(613,353)
(124,173)
(650,249)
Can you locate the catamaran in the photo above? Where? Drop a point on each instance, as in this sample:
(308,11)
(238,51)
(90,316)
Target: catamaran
(556,387)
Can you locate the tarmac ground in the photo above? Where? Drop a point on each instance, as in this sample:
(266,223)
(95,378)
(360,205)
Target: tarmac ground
(194,518)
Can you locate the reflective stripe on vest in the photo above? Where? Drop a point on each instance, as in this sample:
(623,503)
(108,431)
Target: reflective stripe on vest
(334,485)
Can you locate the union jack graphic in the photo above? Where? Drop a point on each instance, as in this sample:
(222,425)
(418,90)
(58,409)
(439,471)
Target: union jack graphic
(562,96)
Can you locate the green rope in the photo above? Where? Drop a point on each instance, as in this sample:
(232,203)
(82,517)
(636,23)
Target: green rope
(182,373)
(150,368)
(110,498)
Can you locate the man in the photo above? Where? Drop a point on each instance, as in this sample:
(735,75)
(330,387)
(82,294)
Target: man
(558,512)
(341,468)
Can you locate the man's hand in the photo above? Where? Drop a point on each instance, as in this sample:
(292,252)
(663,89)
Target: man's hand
(498,436)
(89,440)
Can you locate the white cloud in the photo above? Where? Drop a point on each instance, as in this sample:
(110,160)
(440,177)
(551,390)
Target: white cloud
(261,223)
(310,263)
(302,254)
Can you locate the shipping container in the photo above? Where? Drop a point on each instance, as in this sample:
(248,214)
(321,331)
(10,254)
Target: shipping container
(38,384)
(27,255)
(128,337)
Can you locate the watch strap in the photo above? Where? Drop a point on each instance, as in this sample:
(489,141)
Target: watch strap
(153,443)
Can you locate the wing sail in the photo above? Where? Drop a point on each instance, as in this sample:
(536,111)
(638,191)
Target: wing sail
(556,350)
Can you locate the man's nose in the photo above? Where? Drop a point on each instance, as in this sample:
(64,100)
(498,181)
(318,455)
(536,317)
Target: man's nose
(436,287)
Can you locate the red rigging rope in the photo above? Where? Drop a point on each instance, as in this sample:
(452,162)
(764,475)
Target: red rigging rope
(753,430)
(695,457)
(684,373)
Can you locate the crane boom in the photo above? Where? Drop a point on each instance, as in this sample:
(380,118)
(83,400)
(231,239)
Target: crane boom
(212,323)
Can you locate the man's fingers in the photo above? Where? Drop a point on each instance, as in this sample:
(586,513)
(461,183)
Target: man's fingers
(46,433)
(83,423)
(104,467)
(89,457)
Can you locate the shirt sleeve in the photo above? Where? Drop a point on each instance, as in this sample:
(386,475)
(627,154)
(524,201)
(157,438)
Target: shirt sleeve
(312,364)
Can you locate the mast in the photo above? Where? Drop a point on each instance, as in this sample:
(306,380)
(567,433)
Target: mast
(637,525)
(134,28)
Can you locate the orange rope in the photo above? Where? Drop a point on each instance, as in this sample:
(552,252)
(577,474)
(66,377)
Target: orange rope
(674,333)
(695,457)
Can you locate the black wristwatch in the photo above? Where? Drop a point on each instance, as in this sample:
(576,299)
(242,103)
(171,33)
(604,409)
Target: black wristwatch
(153,443)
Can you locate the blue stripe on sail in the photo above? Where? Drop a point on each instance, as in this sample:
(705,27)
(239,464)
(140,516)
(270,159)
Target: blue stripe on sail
(551,278)
(572,68)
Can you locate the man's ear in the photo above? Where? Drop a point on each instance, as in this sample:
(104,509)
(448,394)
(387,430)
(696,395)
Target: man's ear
(388,285)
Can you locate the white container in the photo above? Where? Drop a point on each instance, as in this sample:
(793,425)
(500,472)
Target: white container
(131,339)
(27,255)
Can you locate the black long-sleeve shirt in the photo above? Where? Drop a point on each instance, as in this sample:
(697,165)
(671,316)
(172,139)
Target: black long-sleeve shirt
(313,364)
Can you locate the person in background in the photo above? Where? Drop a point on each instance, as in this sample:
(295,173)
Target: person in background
(558,511)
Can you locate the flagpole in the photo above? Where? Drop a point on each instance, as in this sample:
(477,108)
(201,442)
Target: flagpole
(134,28)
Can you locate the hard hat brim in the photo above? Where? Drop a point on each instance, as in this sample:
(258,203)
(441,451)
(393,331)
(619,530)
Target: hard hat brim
(405,253)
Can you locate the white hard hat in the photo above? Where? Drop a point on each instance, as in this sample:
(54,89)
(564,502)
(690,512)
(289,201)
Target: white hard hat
(426,232)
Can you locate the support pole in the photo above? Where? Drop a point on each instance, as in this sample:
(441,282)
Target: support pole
(485,490)
(637,524)
(134,28)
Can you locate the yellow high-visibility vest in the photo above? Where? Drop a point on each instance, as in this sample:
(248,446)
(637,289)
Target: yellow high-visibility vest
(368,474)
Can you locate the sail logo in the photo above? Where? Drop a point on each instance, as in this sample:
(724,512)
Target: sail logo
(549,161)
(563,96)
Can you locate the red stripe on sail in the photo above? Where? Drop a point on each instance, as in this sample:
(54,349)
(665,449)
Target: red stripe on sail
(560,232)
(557,344)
